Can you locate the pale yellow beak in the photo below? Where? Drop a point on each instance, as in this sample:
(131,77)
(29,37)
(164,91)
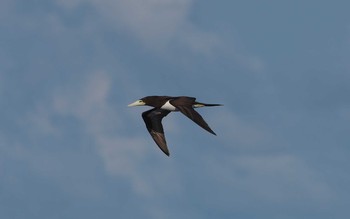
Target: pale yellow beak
(137,103)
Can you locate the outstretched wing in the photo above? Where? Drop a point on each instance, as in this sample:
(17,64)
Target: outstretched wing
(153,120)
(185,106)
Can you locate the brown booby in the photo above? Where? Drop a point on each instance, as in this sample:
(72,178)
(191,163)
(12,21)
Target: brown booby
(163,105)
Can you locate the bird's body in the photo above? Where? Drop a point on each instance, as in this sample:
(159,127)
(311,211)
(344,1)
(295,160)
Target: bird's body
(163,105)
(168,106)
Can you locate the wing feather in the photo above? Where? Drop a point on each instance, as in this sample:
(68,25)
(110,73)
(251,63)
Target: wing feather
(185,106)
(153,120)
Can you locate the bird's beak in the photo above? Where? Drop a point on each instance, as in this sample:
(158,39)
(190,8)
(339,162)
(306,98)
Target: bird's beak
(137,103)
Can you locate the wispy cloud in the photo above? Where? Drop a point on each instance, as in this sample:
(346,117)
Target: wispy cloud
(87,101)
(155,23)
(69,68)
(130,158)
(123,155)
(163,26)
(149,20)
(278,179)
(244,133)
(282,178)
(259,168)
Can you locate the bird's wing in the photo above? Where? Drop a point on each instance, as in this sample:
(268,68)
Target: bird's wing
(153,120)
(184,105)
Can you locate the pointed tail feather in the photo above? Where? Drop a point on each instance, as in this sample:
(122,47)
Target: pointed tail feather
(198,104)
(212,104)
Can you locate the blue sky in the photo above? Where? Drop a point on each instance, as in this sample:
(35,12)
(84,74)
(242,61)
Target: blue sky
(70,148)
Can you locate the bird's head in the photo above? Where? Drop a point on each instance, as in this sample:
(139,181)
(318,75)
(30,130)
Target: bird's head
(154,101)
(139,102)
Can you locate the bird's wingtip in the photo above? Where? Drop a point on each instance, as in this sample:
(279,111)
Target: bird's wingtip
(166,153)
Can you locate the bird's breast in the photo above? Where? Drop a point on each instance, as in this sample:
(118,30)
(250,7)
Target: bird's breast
(168,106)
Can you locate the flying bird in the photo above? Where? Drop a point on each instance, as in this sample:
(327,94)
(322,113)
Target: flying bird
(162,106)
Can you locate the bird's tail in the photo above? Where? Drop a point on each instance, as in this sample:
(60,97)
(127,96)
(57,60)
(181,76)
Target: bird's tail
(198,104)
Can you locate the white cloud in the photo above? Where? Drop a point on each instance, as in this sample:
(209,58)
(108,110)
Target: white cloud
(272,178)
(275,179)
(268,176)
(88,101)
(146,19)
(282,177)
(235,129)
(40,121)
(122,156)
(254,63)
(163,26)
(70,4)
(200,41)
(130,158)
(156,23)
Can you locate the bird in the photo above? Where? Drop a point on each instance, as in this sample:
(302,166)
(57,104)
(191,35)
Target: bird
(162,106)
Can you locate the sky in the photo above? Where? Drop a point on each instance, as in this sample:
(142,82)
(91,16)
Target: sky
(71,148)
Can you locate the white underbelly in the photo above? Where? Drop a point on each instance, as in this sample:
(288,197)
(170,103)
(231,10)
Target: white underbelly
(168,106)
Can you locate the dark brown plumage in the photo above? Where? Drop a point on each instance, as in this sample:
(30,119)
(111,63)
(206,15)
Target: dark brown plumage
(163,105)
